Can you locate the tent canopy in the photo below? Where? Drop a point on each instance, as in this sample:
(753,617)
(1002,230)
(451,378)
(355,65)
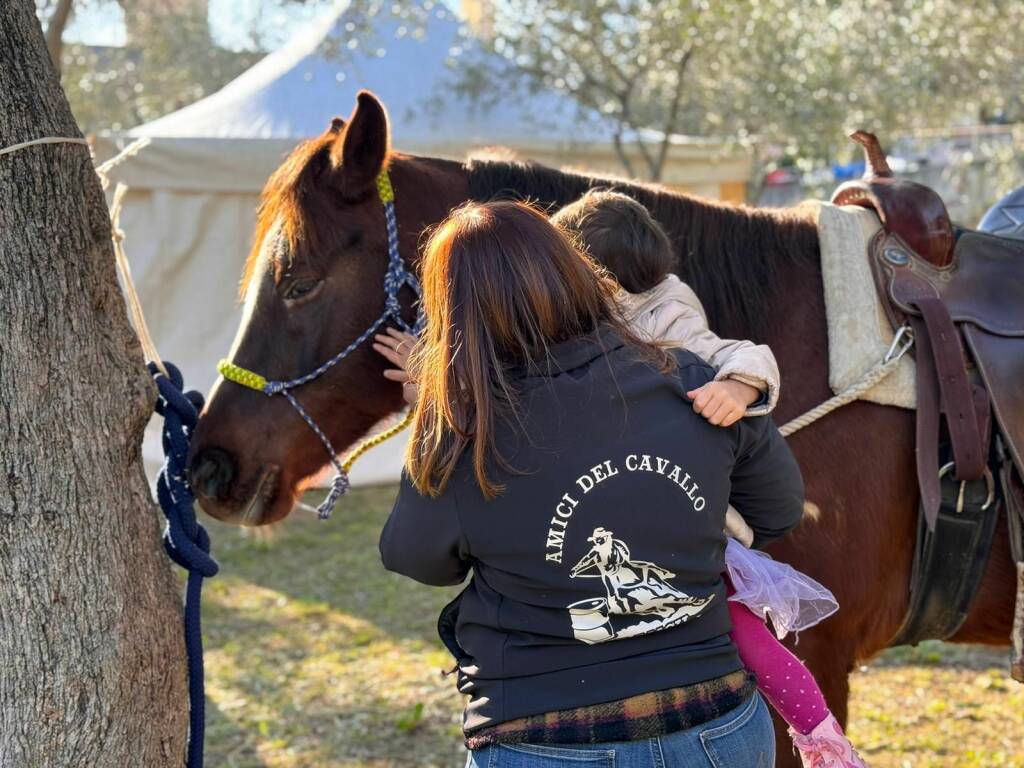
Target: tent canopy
(405,59)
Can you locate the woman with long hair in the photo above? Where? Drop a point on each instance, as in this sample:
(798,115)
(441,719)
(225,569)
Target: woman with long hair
(555,455)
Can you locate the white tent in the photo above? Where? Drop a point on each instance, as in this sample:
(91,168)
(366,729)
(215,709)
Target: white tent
(406,60)
(189,213)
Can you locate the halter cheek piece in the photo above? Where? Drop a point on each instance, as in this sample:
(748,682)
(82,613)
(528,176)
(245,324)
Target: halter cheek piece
(395,278)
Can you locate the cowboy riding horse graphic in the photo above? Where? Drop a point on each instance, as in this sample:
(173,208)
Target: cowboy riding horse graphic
(639,597)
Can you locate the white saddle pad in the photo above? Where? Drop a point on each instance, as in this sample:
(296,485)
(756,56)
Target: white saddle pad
(859,333)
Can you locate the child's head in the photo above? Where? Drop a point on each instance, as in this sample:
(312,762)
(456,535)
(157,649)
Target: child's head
(620,233)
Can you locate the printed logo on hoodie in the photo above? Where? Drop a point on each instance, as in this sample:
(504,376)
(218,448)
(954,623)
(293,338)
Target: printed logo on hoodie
(639,596)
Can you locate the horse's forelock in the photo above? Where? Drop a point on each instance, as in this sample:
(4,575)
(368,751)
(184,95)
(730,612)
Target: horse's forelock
(285,204)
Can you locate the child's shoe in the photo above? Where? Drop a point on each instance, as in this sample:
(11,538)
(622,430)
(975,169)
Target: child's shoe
(826,747)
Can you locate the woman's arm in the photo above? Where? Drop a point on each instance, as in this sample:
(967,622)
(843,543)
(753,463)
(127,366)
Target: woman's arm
(766,482)
(423,539)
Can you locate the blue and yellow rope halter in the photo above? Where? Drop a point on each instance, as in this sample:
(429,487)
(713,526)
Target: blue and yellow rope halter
(395,278)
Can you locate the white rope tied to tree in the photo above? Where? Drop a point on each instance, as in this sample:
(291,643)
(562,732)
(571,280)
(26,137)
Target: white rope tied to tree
(130,151)
(125,271)
(43,140)
(121,258)
(901,344)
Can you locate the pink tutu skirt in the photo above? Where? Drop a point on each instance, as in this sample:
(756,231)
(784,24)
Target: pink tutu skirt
(776,591)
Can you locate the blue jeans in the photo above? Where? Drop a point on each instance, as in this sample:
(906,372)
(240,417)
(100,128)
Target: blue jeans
(743,738)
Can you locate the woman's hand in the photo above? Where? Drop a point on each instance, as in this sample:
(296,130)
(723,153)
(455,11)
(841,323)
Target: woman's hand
(395,346)
(723,403)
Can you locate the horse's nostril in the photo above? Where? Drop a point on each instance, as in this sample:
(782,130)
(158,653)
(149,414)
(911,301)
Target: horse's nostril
(211,473)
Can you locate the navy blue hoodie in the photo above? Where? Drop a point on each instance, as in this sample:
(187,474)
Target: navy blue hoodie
(597,573)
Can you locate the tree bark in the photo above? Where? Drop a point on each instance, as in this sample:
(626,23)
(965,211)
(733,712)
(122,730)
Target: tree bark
(91,644)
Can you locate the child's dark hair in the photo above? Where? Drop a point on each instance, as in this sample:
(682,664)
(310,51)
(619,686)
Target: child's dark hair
(620,233)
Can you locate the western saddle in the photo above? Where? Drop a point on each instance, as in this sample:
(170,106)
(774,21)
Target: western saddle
(961,294)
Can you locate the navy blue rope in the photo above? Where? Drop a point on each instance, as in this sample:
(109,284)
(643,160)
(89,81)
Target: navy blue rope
(185,540)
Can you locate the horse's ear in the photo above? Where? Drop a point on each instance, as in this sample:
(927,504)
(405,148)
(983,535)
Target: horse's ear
(361,149)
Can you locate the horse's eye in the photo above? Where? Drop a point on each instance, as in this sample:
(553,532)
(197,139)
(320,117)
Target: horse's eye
(301,288)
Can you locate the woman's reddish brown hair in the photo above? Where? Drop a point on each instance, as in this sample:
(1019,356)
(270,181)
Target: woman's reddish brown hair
(501,284)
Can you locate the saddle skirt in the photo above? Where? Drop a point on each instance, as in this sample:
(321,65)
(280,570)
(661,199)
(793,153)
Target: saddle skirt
(859,331)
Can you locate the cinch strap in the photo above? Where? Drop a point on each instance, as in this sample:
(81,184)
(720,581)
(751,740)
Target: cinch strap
(396,277)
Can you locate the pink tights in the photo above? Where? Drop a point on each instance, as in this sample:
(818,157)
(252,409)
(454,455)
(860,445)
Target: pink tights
(781,676)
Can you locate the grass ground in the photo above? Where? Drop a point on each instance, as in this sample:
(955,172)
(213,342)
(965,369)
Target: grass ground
(316,657)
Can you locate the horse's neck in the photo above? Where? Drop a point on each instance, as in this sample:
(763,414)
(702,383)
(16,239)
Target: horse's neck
(427,189)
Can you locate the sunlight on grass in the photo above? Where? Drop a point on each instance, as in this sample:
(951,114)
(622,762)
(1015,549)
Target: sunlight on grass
(938,706)
(318,658)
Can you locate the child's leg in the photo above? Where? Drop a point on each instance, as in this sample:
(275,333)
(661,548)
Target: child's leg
(781,676)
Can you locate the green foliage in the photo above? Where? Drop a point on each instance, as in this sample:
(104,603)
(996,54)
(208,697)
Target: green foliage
(797,73)
(171,58)
(410,718)
(174,65)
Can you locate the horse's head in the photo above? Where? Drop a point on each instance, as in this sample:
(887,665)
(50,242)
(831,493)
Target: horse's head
(313,283)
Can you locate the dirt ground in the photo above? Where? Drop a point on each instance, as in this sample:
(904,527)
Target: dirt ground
(316,657)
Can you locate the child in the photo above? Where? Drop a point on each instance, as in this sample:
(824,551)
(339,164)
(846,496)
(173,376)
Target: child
(620,234)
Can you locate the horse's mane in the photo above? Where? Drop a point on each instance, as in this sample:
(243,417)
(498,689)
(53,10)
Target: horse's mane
(730,255)
(290,199)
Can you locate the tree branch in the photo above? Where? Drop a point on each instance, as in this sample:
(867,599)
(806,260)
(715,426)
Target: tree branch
(621,151)
(55,31)
(626,116)
(673,115)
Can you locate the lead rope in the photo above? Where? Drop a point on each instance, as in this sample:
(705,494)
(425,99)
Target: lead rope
(185,540)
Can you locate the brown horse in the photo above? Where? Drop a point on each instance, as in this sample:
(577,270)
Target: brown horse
(313,284)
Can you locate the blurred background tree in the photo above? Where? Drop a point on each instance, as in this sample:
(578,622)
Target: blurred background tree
(794,73)
(168,60)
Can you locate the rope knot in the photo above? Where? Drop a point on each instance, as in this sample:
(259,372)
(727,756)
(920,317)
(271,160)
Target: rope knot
(339,487)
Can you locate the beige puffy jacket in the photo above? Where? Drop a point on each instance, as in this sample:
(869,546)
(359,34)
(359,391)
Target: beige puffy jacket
(671,312)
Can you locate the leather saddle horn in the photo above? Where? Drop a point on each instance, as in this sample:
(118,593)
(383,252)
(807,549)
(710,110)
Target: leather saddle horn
(906,208)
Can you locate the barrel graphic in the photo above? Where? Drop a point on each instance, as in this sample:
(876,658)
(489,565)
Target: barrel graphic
(590,622)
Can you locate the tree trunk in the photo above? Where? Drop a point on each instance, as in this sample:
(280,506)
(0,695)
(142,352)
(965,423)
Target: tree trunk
(91,644)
